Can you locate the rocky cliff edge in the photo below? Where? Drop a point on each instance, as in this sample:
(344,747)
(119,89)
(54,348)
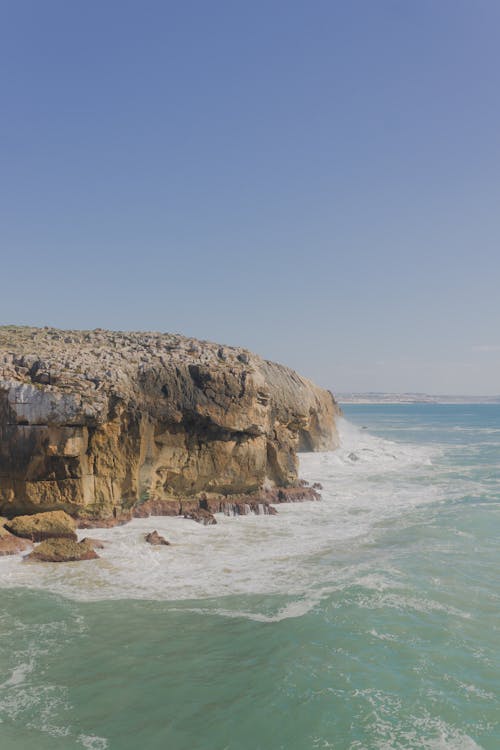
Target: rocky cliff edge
(98,422)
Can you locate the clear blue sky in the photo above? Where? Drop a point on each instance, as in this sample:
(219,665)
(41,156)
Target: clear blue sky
(317,181)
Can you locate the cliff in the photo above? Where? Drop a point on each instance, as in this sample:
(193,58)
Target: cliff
(97,422)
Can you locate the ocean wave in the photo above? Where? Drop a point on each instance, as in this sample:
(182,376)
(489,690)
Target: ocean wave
(367,484)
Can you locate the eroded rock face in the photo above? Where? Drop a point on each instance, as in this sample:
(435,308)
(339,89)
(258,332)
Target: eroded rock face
(98,422)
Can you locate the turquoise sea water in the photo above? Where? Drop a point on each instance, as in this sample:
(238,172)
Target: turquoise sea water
(367,621)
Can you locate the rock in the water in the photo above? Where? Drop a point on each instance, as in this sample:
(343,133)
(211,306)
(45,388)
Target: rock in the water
(42,526)
(201,516)
(238,505)
(293,495)
(94,543)
(155,539)
(63,550)
(10,544)
(98,421)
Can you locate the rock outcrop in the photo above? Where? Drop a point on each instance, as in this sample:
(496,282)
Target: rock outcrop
(97,422)
(40,526)
(63,550)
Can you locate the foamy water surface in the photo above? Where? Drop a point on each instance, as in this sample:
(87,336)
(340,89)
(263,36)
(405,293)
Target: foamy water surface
(368,480)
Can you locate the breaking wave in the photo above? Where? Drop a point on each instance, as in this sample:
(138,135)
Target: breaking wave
(367,481)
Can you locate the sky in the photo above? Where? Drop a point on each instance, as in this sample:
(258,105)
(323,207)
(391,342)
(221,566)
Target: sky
(316,181)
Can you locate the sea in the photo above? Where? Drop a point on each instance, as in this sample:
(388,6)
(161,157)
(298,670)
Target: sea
(366,621)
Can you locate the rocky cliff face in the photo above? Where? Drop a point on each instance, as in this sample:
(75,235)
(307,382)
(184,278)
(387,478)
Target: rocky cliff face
(96,422)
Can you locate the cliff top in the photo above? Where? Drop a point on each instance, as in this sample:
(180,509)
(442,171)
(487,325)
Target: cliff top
(74,359)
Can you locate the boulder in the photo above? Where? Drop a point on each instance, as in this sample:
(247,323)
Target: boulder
(155,539)
(10,544)
(201,516)
(40,526)
(63,550)
(95,543)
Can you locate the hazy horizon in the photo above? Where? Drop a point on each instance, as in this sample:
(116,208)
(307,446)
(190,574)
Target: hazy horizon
(317,183)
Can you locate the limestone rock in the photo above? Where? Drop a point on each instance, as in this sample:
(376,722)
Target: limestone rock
(201,516)
(40,526)
(99,422)
(238,505)
(94,543)
(294,494)
(157,507)
(10,544)
(108,522)
(156,539)
(63,550)
(13,545)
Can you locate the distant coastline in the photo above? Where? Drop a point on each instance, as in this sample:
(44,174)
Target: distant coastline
(375,397)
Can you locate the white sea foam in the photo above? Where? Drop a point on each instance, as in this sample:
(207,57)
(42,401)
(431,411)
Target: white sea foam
(390,731)
(441,736)
(367,482)
(92,742)
(18,675)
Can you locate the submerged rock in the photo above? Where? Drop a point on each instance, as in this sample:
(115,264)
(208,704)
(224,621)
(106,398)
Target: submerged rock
(96,422)
(156,539)
(42,526)
(63,550)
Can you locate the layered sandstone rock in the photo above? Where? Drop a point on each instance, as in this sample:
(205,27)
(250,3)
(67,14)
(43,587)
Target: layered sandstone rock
(98,422)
